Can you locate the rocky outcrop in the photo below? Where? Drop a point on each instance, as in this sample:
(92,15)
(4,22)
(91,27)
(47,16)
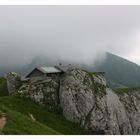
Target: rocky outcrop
(44,93)
(131,102)
(86,99)
(13,82)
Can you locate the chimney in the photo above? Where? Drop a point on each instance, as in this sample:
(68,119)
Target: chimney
(60,64)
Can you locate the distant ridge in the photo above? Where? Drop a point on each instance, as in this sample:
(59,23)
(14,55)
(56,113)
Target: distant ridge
(120,71)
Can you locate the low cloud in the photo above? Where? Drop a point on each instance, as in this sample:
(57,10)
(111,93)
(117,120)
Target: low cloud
(77,34)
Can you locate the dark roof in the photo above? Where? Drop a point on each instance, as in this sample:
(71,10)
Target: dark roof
(46,70)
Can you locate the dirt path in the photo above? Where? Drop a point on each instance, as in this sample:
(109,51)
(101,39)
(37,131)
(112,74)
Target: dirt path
(2,121)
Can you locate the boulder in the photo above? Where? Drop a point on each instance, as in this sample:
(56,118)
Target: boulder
(86,100)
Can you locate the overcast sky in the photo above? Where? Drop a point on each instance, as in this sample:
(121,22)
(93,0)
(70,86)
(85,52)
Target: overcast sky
(75,33)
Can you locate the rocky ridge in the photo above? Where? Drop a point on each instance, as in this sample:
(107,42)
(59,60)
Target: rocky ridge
(86,99)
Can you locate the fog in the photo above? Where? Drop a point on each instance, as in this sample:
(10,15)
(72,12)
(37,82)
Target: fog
(79,34)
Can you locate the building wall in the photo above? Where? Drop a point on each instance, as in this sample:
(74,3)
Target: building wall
(37,78)
(36,73)
(53,75)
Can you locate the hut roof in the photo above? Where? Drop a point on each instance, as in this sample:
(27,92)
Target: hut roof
(49,70)
(45,70)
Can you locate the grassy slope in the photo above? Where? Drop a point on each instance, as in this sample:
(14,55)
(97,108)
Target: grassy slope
(127,89)
(22,124)
(47,122)
(19,121)
(3,87)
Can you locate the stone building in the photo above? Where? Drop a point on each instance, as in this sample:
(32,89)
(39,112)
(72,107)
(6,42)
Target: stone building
(43,73)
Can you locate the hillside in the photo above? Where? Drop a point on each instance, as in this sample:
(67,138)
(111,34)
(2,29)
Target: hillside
(19,121)
(77,99)
(3,87)
(47,122)
(119,71)
(81,97)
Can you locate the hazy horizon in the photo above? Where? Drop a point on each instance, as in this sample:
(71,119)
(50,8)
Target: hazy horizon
(73,33)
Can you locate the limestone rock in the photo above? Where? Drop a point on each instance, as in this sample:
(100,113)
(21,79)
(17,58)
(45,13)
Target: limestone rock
(13,82)
(131,102)
(86,100)
(76,98)
(44,93)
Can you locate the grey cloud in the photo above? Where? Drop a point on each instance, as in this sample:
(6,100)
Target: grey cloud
(73,33)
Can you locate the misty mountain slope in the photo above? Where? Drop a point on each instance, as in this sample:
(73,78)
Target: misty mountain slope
(36,62)
(7,69)
(41,61)
(120,71)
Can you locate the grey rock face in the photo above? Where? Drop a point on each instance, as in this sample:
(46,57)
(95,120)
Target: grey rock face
(13,81)
(131,102)
(44,93)
(76,98)
(118,115)
(86,100)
